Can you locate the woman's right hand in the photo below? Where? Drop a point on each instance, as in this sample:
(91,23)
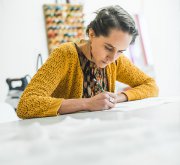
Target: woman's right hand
(102,101)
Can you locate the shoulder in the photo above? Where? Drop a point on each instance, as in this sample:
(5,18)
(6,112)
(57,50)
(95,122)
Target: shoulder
(68,49)
(65,54)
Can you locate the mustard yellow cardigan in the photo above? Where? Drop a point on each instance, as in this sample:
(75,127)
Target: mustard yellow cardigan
(61,78)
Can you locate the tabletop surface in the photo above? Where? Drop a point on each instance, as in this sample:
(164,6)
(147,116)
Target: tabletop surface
(143,136)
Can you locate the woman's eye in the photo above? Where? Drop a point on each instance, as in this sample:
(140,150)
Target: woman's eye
(109,49)
(119,51)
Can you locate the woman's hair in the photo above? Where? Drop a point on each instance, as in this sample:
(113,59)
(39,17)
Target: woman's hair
(113,17)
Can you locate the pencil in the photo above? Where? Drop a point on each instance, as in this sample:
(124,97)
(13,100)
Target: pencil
(99,86)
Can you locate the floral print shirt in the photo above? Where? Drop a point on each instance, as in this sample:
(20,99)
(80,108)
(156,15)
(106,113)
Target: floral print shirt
(91,71)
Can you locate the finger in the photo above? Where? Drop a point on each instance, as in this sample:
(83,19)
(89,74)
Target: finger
(113,95)
(110,104)
(112,100)
(105,95)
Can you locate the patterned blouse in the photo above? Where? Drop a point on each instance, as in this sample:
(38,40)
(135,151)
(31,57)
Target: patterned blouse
(90,71)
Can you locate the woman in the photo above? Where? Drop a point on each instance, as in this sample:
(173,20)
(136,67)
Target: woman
(76,74)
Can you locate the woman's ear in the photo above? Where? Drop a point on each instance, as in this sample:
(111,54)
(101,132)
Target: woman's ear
(91,33)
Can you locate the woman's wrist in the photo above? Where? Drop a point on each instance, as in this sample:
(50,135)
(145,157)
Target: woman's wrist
(73,105)
(122,97)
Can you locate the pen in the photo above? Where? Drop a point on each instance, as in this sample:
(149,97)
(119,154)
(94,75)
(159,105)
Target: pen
(102,90)
(99,86)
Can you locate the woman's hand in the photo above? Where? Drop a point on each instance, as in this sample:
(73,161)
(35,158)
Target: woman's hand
(102,101)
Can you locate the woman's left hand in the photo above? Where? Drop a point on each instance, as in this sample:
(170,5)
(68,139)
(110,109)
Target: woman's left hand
(121,97)
(117,98)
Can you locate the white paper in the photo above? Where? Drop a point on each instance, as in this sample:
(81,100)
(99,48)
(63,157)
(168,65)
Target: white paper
(144,103)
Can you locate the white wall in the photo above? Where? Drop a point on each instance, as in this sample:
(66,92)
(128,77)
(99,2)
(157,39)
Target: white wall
(22,37)
(164,28)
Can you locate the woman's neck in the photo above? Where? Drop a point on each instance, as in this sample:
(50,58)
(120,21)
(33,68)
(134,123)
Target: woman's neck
(84,46)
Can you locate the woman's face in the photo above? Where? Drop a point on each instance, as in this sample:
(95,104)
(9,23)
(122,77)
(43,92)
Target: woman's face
(106,50)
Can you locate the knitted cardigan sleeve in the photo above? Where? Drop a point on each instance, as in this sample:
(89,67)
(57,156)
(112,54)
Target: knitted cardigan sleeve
(142,85)
(36,100)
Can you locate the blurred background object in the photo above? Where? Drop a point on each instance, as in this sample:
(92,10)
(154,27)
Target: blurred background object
(16,88)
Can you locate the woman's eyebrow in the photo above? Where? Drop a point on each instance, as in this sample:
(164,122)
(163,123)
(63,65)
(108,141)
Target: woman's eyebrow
(114,47)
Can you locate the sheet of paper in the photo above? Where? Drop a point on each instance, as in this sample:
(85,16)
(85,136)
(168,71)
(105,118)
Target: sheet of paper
(144,103)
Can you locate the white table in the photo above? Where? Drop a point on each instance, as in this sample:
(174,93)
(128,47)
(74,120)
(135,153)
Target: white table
(149,136)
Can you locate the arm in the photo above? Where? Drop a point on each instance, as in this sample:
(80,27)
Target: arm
(142,85)
(96,103)
(36,100)
(73,105)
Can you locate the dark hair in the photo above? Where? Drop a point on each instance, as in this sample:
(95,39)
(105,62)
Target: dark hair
(113,17)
